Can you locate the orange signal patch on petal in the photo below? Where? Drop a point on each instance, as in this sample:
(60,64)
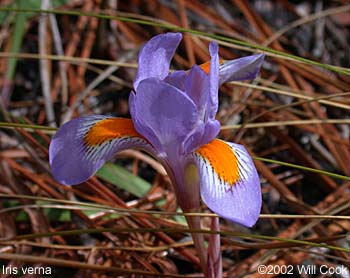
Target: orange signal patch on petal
(222,159)
(109,129)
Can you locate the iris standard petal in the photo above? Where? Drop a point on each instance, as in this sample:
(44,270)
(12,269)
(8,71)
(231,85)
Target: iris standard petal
(245,68)
(163,114)
(81,146)
(213,101)
(229,184)
(155,56)
(197,88)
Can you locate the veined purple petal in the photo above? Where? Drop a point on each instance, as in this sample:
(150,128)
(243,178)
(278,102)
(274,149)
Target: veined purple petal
(163,114)
(155,56)
(213,101)
(245,68)
(81,146)
(230,184)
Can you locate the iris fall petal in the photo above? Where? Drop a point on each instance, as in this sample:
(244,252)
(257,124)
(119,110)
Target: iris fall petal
(229,183)
(83,145)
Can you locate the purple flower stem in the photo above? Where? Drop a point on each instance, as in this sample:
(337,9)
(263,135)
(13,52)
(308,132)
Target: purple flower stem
(214,266)
(198,239)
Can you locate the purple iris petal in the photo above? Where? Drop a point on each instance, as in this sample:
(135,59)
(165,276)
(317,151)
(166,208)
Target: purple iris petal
(203,134)
(211,130)
(197,88)
(240,202)
(194,139)
(164,115)
(155,56)
(177,79)
(245,68)
(72,161)
(213,103)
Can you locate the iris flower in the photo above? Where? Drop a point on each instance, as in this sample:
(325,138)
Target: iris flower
(173,119)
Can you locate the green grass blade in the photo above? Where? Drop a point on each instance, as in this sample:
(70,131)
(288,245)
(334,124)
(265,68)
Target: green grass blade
(17,38)
(122,178)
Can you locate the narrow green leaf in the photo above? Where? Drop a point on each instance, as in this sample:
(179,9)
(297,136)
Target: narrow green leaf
(17,37)
(19,28)
(122,178)
(29,4)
